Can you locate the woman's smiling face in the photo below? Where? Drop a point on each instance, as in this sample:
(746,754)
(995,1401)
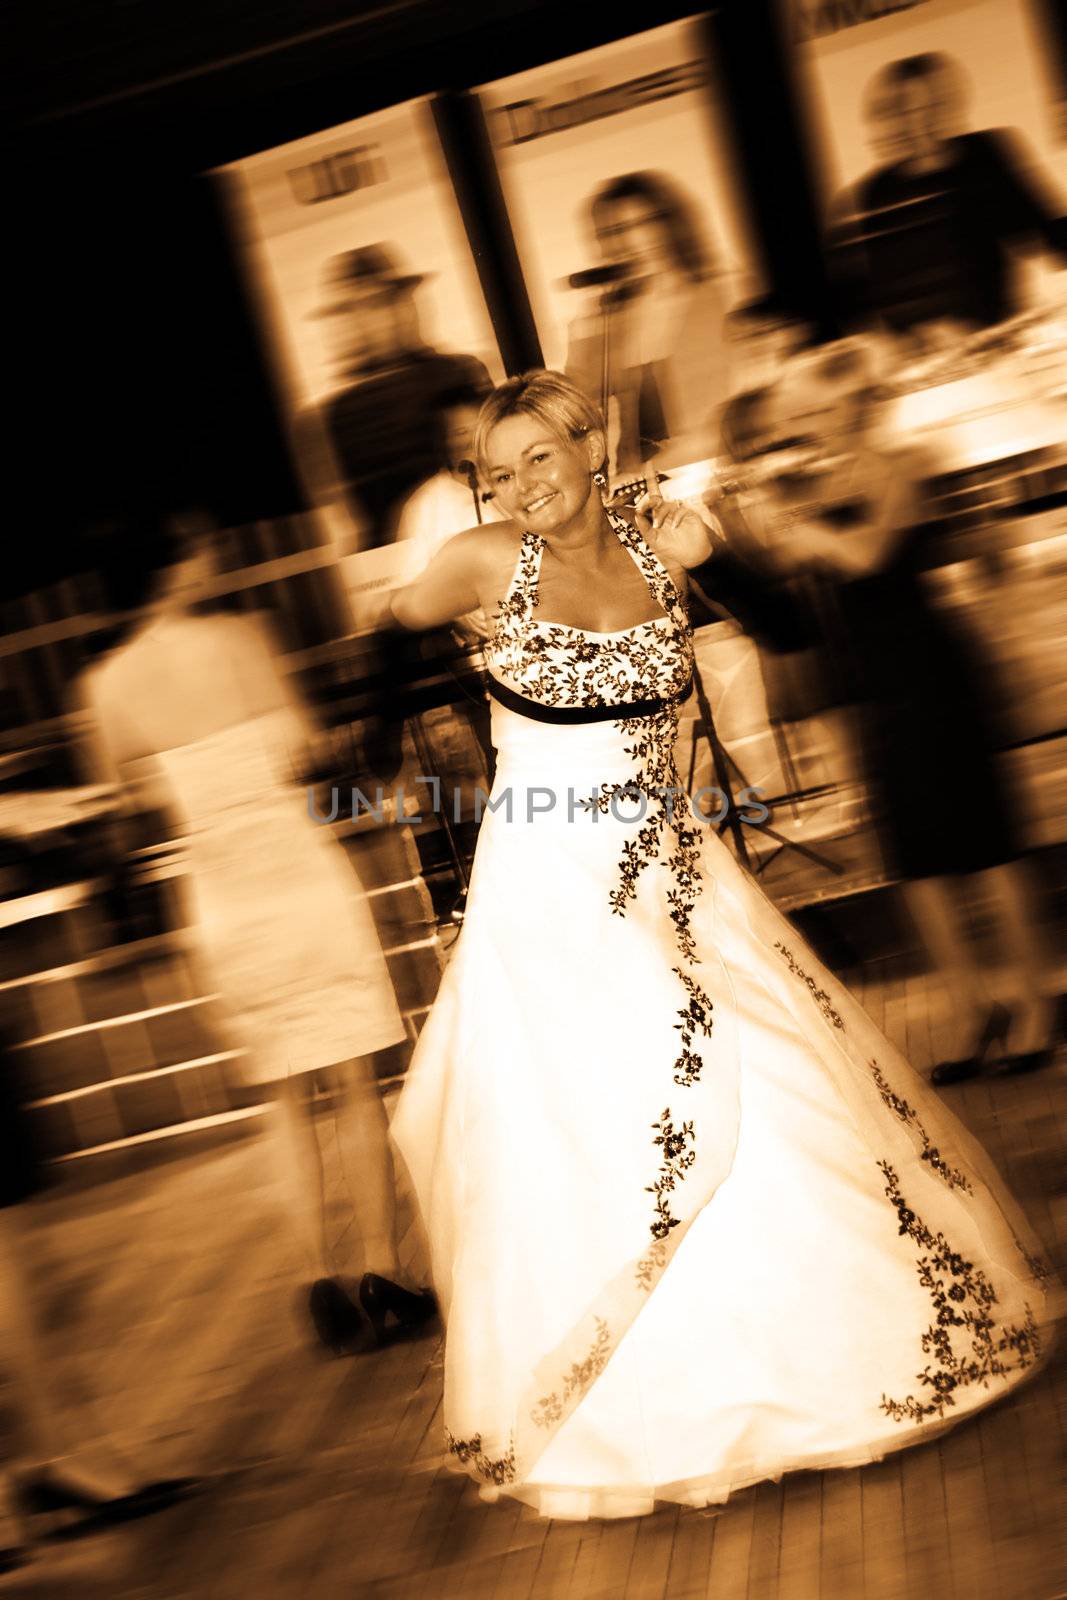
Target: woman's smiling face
(539,480)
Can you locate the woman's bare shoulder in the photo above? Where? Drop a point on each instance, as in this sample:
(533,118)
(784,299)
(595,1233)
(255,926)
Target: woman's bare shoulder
(493,538)
(248,630)
(249,637)
(108,677)
(484,549)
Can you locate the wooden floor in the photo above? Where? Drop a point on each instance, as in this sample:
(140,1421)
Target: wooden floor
(170,1298)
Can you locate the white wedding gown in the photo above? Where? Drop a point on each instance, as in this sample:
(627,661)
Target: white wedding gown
(694,1221)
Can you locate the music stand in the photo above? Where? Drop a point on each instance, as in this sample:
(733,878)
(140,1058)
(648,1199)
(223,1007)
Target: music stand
(426,759)
(725,767)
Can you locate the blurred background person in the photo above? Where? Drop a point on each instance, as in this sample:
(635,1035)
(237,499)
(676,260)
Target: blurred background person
(652,351)
(927,243)
(383,421)
(446,504)
(762,334)
(779,607)
(741,575)
(196,703)
(451,500)
(849,506)
(382,429)
(45,1473)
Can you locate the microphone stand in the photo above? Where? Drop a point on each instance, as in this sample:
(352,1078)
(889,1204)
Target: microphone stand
(606,305)
(611,301)
(472,485)
(725,766)
(614,277)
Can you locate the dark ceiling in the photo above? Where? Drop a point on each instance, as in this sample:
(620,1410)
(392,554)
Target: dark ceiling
(134,358)
(210,80)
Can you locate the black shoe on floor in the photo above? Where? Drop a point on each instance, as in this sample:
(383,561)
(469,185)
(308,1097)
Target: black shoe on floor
(395,1313)
(45,1497)
(1034,1060)
(337,1319)
(995,1031)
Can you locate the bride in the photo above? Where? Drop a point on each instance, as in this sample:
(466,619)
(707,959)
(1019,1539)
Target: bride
(694,1221)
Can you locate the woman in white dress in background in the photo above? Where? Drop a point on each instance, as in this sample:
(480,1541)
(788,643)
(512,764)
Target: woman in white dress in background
(694,1221)
(278,923)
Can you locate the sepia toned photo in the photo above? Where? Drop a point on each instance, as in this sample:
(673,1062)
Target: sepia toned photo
(634,238)
(533,802)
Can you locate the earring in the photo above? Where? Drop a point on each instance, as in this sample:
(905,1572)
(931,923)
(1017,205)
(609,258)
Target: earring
(600,480)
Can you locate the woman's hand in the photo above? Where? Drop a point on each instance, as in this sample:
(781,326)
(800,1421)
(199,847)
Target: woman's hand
(674,530)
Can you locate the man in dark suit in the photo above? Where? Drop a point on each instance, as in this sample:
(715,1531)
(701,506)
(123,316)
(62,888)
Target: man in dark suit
(930,238)
(383,424)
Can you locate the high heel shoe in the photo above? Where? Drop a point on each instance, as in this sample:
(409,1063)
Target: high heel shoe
(995,1031)
(15,1548)
(13,1558)
(409,1311)
(1014,1066)
(42,1496)
(337,1319)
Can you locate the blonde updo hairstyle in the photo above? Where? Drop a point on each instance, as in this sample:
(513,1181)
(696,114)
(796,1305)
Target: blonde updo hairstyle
(552,399)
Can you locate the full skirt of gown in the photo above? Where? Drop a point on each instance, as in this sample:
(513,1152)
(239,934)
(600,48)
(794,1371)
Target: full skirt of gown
(694,1222)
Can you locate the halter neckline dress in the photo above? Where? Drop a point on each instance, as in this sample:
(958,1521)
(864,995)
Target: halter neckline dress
(693,1220)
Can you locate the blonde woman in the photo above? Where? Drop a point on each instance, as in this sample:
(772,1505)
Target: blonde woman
(682,1196)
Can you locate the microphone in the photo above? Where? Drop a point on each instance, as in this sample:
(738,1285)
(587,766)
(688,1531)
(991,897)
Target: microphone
(593,277)
(470,472)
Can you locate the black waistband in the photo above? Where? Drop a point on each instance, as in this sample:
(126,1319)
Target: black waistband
(578,714)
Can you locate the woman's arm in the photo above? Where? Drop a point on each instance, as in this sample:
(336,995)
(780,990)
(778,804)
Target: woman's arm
(448,588)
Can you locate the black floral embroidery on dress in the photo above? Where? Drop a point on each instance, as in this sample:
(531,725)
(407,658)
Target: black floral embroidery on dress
(655,783)
(963,1299)
(469,1453)
(820,996)
(549,1409)
(560,665)
(907,1114)
(1039,1269)
(696,1015)
(682,864)
(676,1159)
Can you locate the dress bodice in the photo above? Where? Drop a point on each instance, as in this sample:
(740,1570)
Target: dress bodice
(560,665)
